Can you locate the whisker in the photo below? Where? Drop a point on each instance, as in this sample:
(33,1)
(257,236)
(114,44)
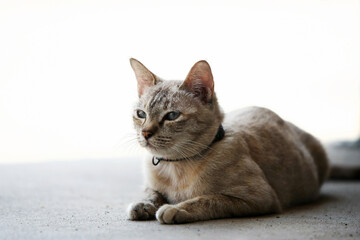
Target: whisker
(182,147)
(182,154)
(164,137)
(200,145)
(189,144)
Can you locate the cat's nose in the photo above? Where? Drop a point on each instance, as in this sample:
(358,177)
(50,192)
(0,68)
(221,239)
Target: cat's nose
(147,134)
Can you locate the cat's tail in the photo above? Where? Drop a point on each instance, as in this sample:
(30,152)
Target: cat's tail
(340,172)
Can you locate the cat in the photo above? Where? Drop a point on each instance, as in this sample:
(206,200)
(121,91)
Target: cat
(204,165)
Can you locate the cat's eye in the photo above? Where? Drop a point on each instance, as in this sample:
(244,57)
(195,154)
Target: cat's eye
(141,114)
(172,116)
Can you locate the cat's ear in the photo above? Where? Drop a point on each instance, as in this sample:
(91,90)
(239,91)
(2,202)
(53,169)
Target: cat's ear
(144,77)
(200,82)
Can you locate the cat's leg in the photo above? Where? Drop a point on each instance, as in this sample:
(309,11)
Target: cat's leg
(146,209)
(215,206)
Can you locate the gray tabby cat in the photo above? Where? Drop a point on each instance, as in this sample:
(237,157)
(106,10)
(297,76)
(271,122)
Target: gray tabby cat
(203,166)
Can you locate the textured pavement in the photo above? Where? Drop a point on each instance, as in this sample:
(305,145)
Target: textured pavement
(87,200)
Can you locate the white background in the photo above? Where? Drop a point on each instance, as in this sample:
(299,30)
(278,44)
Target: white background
(67,89)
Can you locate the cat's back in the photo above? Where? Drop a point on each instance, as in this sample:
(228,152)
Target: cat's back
(251,117)
(290,158)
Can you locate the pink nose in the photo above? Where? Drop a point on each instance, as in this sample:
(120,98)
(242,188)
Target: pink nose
(146,134)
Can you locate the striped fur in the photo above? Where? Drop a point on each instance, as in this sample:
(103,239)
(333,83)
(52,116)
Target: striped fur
(262,165)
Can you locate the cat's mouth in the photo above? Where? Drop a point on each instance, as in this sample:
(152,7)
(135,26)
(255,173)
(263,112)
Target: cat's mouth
(154,148)
(149,145)
(155,143)
(159,146)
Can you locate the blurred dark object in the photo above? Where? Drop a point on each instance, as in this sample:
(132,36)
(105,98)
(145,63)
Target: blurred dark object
(345,160)
(348,144)
(345,172)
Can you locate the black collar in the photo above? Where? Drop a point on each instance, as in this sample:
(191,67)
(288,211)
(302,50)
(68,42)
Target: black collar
(219,135)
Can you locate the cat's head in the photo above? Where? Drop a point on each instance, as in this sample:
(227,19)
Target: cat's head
(176,119)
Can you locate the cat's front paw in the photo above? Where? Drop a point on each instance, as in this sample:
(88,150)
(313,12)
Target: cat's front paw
(170,214)
(141,211)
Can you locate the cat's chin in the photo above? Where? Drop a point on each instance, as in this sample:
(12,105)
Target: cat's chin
(152,149)
(155,151)
(158,152)
(164,153)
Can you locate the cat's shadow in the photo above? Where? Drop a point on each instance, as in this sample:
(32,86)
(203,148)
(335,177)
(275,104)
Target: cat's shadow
(324,199)
(310,210)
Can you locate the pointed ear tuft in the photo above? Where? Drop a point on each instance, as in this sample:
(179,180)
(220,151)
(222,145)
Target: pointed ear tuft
(200,82)
(144,77)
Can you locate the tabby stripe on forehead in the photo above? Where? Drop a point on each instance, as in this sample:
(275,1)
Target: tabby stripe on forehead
(151,101)
(158,96)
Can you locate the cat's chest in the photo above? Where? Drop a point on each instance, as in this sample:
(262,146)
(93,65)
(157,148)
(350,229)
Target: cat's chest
(177,181)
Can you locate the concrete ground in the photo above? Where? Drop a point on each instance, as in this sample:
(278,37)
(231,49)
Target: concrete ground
(87,200)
